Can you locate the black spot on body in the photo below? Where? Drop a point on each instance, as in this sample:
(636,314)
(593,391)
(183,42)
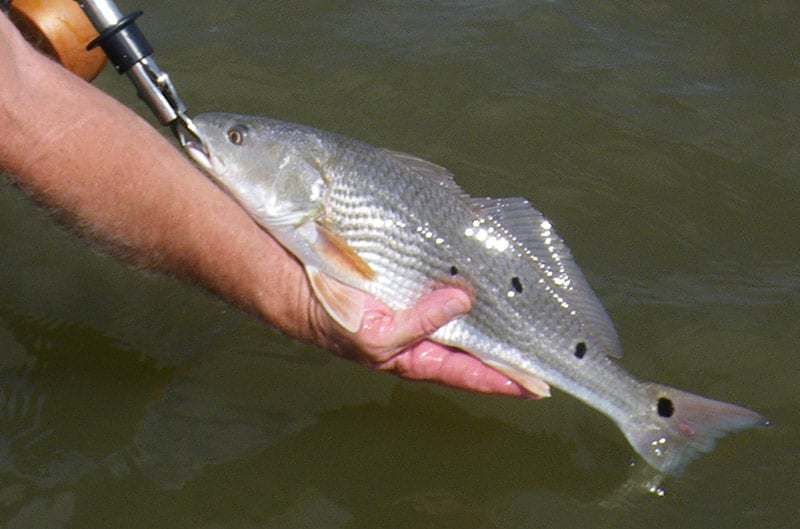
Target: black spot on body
(580,350)
(665,407)
(516,284)
(453,270)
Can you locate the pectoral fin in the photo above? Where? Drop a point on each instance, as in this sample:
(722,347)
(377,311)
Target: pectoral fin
(531,382)
(339,255)
(343,303)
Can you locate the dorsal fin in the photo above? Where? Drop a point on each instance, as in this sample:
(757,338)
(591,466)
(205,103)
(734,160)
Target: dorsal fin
(530,228)
(424,168)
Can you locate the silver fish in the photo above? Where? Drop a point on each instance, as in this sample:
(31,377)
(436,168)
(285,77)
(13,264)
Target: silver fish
(366,219)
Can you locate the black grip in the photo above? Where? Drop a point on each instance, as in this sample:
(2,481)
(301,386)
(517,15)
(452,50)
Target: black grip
(124,43)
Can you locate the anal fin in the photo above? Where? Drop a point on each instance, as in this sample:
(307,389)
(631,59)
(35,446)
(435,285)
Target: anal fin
(529,381)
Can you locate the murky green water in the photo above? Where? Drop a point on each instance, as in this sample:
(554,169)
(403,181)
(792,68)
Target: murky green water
(661,138)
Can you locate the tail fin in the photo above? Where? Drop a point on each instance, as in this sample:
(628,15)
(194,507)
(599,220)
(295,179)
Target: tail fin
(679,427)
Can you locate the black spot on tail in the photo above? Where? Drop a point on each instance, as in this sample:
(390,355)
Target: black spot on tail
(516,284)
(580,350)
(665,407)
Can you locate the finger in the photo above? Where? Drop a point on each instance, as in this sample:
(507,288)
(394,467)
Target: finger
(412,325)
(432,362)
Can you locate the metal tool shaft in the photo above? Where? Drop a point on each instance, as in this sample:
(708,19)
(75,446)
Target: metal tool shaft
(129,51)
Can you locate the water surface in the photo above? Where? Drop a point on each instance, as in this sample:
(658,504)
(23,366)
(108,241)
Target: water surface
(660,138)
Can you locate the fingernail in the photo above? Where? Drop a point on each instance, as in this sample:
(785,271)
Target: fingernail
(455,307)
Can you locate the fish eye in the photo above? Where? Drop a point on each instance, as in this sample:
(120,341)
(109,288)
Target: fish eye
(236,135)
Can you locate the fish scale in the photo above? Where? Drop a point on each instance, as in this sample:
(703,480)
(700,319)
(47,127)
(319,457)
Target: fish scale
(367,219)
(458,217)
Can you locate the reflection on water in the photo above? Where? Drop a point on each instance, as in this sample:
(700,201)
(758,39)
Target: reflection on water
(659,138)
(63,410)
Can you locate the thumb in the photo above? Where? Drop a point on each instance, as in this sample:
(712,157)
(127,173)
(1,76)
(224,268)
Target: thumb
(416,323)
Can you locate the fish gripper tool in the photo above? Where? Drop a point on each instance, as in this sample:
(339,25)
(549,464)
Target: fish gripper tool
(129,52)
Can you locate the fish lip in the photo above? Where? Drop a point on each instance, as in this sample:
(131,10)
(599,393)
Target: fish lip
(199,153)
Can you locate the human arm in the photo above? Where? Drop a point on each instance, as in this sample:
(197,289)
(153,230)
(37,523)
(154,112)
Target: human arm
(117,181)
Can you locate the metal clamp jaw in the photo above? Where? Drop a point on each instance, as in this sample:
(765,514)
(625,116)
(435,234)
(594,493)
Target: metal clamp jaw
(129,52)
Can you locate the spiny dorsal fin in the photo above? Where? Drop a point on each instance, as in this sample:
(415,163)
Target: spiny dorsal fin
(424,168)
(530,228)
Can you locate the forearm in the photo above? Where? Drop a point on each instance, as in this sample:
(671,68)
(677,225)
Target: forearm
(111,175)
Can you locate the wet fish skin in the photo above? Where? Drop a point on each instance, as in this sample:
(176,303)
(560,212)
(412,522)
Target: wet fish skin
(366,219)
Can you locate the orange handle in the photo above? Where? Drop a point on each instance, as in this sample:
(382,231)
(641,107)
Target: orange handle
(62,30)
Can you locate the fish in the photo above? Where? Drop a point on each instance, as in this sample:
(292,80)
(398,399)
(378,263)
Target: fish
(365,220)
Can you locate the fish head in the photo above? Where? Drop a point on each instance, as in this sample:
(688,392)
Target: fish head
(272,170)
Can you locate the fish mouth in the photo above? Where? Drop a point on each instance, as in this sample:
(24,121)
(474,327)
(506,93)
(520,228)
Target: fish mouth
(199,153)
(192,142)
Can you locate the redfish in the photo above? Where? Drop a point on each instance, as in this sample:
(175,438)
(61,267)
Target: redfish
(368,220)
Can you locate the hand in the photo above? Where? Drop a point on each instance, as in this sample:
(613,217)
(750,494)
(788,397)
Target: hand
(398,342)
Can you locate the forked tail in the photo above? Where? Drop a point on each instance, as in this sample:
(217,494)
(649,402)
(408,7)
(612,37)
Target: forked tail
(679,427)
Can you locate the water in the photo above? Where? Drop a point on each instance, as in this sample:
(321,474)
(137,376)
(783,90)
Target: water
(661,138)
